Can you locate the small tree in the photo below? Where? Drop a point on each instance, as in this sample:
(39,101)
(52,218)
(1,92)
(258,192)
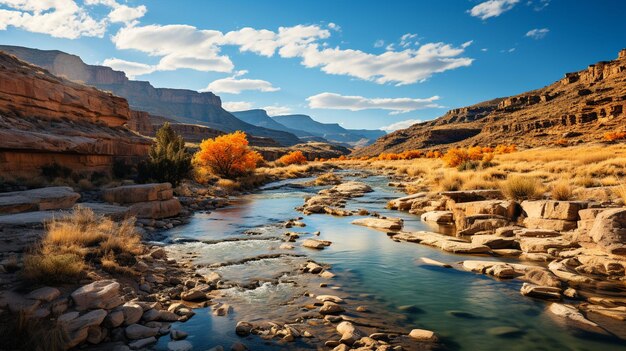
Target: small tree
(294,157)
(168,159)
(227,155)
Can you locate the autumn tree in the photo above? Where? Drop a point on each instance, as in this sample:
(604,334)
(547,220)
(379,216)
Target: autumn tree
(294,157)
(168,160)
(227,155)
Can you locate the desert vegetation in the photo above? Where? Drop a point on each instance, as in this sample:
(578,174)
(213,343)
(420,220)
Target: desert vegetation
(80,239)
(168,160)
(292,158)
(227,156)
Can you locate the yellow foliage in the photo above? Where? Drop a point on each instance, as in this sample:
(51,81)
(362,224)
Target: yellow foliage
(227,155)
(292,158)
(612,136)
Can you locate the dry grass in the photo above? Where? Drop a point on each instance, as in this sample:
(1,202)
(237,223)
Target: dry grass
(561,190)
(329,178)
(521,187)
(228,185)
(620,192)
(77,240)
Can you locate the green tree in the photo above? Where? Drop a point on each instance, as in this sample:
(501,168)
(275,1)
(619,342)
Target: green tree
(168,160)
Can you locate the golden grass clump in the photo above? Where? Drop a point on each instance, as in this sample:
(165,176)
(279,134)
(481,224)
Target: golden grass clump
(329,178)
(620,192)
(561,190)
(450,183)
(72,242)
(519,187)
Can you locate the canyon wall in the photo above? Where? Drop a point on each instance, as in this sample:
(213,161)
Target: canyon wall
(45,120)
(579,108)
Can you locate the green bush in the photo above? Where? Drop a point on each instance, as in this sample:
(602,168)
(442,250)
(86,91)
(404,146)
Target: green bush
(168,160)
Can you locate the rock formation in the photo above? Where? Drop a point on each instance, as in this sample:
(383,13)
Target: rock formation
(184,106)
(581,107)
(46,120)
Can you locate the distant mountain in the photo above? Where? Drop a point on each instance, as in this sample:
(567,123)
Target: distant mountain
(581,107)
(330,131)
(186,106)
(260,118)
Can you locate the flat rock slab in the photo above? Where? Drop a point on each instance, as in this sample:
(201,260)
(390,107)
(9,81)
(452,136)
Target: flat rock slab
(156,209)
(130,194)
(42,199)
(112,211)
(380,223)
(437,217)
(27,219)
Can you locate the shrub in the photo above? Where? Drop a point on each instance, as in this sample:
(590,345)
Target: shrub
(612,136)
(561,191)
(227,155)
(168,159)
(83,237)
(451,183)
(329,178)
(292,158)
(521,187)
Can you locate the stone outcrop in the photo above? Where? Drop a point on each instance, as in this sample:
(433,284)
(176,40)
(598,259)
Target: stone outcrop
(554,215)
(46,120)
(43,199)
(582,106)
(609,231)
(184,106)
(151,201)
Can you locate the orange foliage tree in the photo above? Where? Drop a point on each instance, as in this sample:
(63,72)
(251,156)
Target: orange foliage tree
(612,136)
(294,157)
(227,155)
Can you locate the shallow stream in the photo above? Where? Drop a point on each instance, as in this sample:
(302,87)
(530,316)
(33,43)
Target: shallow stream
(467,310)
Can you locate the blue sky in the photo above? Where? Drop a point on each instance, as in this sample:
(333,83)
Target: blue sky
(363,64)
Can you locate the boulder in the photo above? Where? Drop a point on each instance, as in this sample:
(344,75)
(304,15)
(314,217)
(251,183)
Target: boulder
(542,277)
(549,209)
(46,294)
(138,331)
(495,242)
(609,231)
(330,307)
(142,343)
(541,292)
(539,245)
(352,189)
(243,328)
(130,194)
(574,319)
(405,203)
(156,209)
(99,294)
(437,217)
(315,244)
(550,224)
(72,323)
(349,333)
(469,225)
(503,208)
(331,298)
(42,199)
(423,335)
(380,223)
(132,312)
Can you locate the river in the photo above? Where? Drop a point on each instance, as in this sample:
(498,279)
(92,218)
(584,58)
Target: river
(467,310)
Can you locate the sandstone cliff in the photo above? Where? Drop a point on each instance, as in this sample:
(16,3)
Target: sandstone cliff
(581,107)
(184,106)
(45,119)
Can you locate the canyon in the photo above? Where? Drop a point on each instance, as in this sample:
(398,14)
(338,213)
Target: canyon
(579,108)
(47,120)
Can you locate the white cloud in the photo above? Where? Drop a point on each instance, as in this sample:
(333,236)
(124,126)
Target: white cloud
(407,39)
(334,26)
(379,43)
(132,69)
(236,106)
(358,103)
(537,33)
(64,18)
(272,110)
(232,85)
(275,110)
(126,14)
(402,67)
(400,125)
(539,5)
(492,8)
